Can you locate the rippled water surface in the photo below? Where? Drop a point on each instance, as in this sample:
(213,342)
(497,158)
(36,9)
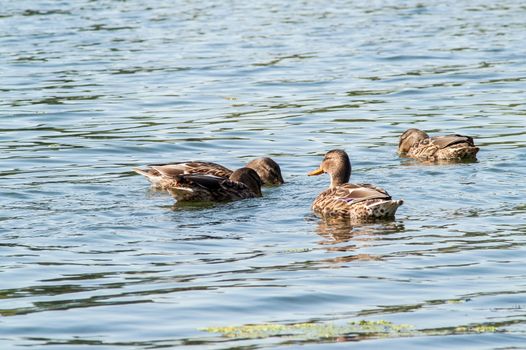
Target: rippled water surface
(90,258)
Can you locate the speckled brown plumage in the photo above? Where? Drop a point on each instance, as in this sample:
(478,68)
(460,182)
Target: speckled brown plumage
(181,168)
(358,202)
(417,144)
(242,183)
(267,169)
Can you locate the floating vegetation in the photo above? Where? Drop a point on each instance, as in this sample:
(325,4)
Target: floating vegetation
(358,329)
(310,330)
(476,329)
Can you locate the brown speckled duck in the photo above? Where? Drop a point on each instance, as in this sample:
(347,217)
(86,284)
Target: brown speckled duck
(359,202)
(417,144)
(241,184)
(267,169)
(154,171)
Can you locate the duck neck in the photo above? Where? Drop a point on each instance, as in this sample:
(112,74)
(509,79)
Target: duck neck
(341,175)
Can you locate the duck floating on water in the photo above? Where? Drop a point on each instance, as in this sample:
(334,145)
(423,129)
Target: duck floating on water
(267,169)
(417,144)
(358,202)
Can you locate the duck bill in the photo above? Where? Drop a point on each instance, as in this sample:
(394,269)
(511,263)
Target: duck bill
(318,171)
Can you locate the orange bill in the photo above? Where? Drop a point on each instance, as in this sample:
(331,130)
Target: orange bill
(316,172)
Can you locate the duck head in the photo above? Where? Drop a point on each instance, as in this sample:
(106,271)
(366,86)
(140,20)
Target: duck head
(409,138)
(268,170)
(337,164)
(248,177)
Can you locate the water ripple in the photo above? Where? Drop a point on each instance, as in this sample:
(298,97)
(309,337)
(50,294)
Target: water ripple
(91,258)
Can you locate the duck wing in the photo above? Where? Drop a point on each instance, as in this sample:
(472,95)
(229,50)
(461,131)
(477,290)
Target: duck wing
(352,200)
(353,193)
(208,182)
(192,167)
(448,140)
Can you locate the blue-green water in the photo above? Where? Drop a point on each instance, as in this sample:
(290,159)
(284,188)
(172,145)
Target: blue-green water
(91,259)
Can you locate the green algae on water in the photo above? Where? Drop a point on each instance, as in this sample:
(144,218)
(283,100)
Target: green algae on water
(310,330)
(362,328)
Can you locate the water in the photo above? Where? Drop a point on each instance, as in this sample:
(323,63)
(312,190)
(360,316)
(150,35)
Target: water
(92,259)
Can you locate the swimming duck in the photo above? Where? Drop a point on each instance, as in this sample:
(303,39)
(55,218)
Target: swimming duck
(267,169)
(241,184)
(359,202)
(415,143)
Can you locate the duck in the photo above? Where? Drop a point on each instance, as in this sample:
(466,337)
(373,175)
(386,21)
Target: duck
(267,169)
(358,202)
(243,183)
(417,144)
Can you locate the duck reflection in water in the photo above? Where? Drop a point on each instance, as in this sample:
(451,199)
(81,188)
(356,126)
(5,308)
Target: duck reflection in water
(343,236)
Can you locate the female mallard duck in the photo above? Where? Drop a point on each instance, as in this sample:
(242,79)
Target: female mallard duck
(359,202)
(417,144)
(267,169)
(241,184)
